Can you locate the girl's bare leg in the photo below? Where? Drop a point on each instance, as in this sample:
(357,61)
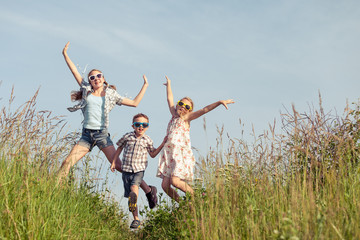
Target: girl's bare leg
(76,153)
(166,186)
(109,153)
(182,185)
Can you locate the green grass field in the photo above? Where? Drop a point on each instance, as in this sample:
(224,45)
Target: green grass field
(301,183)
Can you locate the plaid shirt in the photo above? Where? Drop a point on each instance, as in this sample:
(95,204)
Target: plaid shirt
(135,152)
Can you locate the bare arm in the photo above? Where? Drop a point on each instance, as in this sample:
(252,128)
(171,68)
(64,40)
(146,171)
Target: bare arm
(170,97)
(156,151)
(138,98)
(194,115)
(115,158)
(71,65)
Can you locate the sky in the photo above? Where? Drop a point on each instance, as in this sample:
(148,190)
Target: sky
(266,55)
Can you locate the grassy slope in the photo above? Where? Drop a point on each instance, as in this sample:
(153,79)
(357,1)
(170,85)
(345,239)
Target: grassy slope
(302,184)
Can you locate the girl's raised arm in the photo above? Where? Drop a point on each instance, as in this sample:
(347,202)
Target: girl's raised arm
(194,115)
(71,65)
(170,97)
(138,98)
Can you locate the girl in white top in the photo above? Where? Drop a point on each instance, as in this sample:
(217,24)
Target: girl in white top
(97,99)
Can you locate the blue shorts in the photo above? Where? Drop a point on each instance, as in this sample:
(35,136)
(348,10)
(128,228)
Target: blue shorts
(90,138)
(131,179)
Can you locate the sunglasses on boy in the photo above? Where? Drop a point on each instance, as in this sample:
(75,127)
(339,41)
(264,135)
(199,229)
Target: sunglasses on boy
(188,107)
(143,124)
(92,77)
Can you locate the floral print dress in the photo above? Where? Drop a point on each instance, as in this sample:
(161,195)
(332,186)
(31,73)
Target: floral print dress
(176,158)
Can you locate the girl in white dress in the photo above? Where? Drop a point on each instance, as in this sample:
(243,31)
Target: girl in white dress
(176,162)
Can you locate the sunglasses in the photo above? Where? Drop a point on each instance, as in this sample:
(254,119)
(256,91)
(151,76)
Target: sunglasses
(92,77)
(188,107)
(143,124)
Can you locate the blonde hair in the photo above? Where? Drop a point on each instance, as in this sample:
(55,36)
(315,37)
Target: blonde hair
(190,100)
(77,95)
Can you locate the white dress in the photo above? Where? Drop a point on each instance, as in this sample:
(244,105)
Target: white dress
(176,158)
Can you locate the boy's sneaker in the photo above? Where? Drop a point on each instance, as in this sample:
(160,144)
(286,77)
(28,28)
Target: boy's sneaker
(132,201)
(135,224)
(151,197)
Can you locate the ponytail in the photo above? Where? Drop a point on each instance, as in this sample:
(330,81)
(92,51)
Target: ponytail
(76,95)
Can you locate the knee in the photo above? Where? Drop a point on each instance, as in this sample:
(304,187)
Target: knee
(65,163)
(176,182)
(71,159)
(165,186)
(135,189)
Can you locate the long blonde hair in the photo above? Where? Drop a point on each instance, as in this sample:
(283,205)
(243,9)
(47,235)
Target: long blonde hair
(77,95)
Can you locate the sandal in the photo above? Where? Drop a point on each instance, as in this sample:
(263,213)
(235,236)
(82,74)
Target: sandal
(135,224)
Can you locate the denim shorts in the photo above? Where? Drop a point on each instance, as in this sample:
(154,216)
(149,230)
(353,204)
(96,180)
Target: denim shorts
(131,179)
(90,138)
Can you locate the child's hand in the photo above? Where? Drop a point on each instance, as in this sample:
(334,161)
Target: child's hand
(65,48)
(112,168)
(226,102)
(167,81)
(145,80)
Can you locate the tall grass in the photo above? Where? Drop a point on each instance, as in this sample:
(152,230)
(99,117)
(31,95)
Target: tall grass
(32,206)
(301,183)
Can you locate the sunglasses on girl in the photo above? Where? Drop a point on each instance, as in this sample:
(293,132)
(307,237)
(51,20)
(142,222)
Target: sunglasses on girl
(143,124)
(188,107)
(92,77)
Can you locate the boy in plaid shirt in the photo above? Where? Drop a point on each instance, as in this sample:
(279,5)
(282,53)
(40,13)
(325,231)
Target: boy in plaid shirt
(136,146)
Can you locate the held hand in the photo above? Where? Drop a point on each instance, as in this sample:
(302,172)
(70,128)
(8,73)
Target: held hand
(112,168)
(167,81)
(66,48)
(226,102)
(145,80)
